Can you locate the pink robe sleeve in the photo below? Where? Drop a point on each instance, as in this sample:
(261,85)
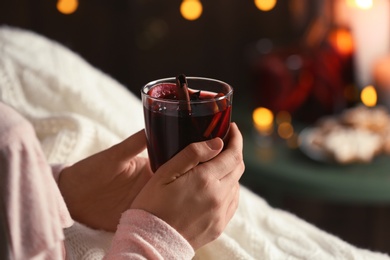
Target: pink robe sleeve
(32,211)
(141,235)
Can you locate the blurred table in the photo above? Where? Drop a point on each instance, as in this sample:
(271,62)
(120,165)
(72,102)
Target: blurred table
(280,171)
(349,201)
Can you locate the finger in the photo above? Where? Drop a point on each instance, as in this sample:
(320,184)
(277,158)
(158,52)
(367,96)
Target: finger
(230,160)
(233,155)
(233,205)
(191,156)
(131,146)
(235,138)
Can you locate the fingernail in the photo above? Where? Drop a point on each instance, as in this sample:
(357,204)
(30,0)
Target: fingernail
(214,144)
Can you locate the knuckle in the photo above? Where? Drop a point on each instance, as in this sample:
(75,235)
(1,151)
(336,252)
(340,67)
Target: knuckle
(204,180)
(131,166)
(206,184)
(193,150)
(242,166)
(237,157)
(215,202)
(219,227)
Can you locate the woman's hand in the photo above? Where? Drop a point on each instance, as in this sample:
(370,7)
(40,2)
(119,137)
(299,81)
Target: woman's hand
(197,191)
(99,188)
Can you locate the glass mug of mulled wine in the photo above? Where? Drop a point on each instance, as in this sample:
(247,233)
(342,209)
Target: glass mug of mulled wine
(182,110)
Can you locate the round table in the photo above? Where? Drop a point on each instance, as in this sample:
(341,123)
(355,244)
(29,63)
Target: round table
(278,171)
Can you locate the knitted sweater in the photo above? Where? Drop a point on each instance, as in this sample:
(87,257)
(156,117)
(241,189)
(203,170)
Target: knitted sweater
(78,110)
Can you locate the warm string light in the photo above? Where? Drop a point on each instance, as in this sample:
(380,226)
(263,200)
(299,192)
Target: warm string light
(191,9)
(369,96)
(263,120)
(265,5)
(67,6)
(283,121)
(286,130)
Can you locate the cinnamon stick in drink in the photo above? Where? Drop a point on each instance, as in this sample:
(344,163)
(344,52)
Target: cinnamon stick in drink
(182,93)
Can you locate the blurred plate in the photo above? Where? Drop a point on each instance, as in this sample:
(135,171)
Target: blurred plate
(308,146)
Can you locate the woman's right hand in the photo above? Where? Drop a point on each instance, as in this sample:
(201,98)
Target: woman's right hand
(197,191)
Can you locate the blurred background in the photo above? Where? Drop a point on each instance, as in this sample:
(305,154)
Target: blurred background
(289,61)
(141,40)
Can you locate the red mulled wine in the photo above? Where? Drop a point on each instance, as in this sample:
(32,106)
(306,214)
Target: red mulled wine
(171,124)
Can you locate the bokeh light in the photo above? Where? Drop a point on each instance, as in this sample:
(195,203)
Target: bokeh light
(263,119)
(67,6)
(369,96)
(362,4)
(265,5)
(342,41)
(191,9)
(285,130)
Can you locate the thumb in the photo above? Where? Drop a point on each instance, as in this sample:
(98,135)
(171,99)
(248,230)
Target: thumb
(190,157)
(131,146)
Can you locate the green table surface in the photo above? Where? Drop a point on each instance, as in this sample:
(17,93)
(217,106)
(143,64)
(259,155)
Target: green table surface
(279,170)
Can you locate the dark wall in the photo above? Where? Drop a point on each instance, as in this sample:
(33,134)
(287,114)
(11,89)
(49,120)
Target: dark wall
(136,41)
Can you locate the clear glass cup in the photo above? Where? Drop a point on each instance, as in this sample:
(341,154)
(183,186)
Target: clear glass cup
(172,124)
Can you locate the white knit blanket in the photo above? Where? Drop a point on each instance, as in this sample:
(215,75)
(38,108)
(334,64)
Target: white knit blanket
(78,110)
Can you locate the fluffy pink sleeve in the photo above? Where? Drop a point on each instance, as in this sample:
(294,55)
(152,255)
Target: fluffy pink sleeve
(32,210)
(141,235)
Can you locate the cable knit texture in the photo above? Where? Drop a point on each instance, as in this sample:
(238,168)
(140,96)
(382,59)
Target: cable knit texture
(78,110)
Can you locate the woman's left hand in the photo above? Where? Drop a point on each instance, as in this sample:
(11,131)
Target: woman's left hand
(99,188)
